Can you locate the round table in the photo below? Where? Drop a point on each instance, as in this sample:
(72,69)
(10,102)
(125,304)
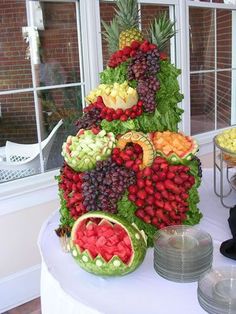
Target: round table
(67,289)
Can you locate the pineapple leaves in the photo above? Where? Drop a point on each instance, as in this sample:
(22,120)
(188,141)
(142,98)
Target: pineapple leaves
(127,14)
(111,35)
(161,31)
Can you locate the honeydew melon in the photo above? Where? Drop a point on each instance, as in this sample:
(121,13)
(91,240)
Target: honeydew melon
(81,152)
(105,244)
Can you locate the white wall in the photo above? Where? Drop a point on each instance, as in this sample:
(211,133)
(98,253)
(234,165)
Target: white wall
(20,258)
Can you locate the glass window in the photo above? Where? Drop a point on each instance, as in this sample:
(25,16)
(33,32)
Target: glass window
(212,59)
(41,83)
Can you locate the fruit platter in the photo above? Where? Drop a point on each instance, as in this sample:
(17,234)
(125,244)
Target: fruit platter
(128,171)
(226,142)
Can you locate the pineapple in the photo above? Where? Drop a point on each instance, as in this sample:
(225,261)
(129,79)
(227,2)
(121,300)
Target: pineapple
(161,31)
(112,35)
(128,20)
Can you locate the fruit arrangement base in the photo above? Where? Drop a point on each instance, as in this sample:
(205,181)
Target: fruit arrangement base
(66,288)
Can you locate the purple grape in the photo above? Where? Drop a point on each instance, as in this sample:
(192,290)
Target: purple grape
(105,185)
(143,68)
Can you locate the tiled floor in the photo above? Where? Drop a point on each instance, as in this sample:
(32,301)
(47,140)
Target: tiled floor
(32,307)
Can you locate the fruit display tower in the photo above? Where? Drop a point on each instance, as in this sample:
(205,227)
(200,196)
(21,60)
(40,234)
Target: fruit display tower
(128,171)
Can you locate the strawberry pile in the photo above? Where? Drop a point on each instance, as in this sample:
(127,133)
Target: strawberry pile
(104,239)
(97,111)
(124,54)
(131,157)
(71,186)
(161,193)
(111,114)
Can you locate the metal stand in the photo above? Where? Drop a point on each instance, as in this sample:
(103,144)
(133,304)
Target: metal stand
(222,167)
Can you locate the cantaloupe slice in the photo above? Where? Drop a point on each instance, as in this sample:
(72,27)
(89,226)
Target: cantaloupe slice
(174,146)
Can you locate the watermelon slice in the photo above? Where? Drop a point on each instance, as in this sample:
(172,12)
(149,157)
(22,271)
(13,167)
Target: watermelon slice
(108,246)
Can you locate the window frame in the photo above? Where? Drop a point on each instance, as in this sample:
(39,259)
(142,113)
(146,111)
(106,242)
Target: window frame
(204,139)
(21,193)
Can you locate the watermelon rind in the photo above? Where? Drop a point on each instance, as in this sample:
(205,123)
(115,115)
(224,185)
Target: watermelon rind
(115,266)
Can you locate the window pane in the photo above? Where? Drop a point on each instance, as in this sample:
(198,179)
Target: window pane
(202,102)
(17,121)
(60,104)
(224,99)
(15,69)
(224,38)
(107,13)
(201,39)
(59,52)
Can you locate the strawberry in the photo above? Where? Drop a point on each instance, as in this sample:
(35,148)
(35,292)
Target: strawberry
(132,197)
(149,210)
(137,148)
(162,176)
(140,213)
(167,206)
(183,176)
(149,190)
(133,189)
(170,175)
(135,45)
(159,203)
(150,200)
(140,183)
(116,151)
(135,168)
(160,186)
(142,194)
(178,180)
(184,196)
(165,194)
(147,219)
(158,196)
(127,50)
(169,185)
(119,112)
(159,160)
(147,172)
(124,117)
(155,177)
(129,164)
(128,112)
(148,182)
(139,202)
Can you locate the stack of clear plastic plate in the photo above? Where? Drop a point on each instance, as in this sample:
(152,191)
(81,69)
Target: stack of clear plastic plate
(217,290)
(182,253)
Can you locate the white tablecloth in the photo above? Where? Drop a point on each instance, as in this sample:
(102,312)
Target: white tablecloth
(67,289)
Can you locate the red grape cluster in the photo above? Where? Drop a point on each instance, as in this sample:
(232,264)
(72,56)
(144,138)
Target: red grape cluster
(161,193)
(71,185)
(105,185)
(143,68)
(111,114)
(131,157)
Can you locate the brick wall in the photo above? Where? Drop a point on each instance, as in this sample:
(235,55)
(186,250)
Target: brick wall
(59,65)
